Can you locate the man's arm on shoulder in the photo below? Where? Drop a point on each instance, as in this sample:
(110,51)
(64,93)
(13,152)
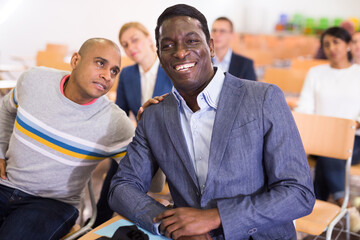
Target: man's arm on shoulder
(289,192)
(129,186)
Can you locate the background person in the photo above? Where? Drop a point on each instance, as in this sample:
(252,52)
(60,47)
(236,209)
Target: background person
(348,26)
(146,78)
(223,33)
(334,90)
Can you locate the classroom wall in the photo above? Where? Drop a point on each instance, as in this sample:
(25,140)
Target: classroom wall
(36,22)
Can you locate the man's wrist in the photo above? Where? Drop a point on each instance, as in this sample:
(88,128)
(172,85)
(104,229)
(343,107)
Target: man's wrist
(214,215)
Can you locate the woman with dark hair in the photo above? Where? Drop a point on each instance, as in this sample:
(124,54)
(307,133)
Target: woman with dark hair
(334,90)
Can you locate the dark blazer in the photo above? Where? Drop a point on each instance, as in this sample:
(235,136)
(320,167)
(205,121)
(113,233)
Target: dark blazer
(128,96)
(242,67)
(258,176)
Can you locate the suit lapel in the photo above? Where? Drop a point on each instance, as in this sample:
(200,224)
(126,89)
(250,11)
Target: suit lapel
(231,97)
(175,132)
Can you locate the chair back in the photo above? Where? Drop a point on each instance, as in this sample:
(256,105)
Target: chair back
(306,64)
(289,80)
(60,49)
(52,60)
(53,57)
(261,57)
(326,136)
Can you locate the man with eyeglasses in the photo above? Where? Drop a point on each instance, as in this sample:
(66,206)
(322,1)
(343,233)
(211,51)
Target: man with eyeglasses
(225,58)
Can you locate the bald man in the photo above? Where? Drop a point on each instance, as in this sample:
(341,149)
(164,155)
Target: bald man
(55,127)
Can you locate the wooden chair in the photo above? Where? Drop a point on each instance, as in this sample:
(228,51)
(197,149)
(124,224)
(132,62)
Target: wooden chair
(78,231)
(60,49)
(52,59)
(355,170)
(328,137)
(261,57)
(306,64)
(289,80)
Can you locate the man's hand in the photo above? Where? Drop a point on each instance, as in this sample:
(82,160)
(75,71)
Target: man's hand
(149,102)
(2,168)
(181,222)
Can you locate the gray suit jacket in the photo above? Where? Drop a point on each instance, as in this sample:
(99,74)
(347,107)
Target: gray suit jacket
(258,173)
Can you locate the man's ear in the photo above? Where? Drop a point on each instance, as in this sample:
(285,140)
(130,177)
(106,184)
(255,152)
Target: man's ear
(211,46)
(75,60)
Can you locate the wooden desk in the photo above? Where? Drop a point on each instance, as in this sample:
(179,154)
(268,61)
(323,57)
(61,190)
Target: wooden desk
(92,235)
(163,197)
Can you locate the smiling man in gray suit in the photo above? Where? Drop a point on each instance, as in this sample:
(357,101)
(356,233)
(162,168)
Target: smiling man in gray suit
(229,148)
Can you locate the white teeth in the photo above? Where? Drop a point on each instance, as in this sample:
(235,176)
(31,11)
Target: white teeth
(184,67)
(100,85)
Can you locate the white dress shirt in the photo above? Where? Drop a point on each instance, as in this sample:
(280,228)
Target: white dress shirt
(198,126)
(148,80)
(225,63)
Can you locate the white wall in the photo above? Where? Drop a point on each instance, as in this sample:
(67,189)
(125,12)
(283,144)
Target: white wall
(36,22)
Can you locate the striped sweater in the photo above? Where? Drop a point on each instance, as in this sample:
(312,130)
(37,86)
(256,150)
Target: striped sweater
(51,144)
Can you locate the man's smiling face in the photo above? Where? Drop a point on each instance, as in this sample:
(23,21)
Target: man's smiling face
(185,54)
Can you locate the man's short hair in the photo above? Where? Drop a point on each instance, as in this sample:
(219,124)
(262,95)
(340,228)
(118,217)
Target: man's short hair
(227,20)
(182,10)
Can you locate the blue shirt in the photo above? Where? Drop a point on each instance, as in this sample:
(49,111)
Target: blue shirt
(198,126)
(225,63)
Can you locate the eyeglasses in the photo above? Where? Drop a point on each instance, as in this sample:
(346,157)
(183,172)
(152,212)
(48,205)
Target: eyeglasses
(221,31)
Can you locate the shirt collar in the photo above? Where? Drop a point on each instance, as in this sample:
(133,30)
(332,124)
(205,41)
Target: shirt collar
(62,84)
(211,93)
(226,59)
